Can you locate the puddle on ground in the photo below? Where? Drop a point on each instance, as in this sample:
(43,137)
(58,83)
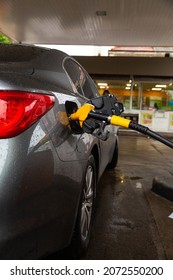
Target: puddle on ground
(120,178)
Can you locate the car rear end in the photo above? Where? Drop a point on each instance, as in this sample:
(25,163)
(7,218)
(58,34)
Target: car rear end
(38,199)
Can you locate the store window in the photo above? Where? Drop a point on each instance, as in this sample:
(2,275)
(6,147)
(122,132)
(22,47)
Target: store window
(157,95)
(136,90)
(141,94)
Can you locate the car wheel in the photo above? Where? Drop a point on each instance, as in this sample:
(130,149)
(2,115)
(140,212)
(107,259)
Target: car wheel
(113,163)
(86,207)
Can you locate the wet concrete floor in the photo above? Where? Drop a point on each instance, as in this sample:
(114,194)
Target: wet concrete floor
(131,221)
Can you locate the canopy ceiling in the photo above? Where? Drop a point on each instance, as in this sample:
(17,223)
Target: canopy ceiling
(88,22)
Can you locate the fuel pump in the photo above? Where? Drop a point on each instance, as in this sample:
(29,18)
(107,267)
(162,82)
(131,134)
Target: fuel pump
(98,112)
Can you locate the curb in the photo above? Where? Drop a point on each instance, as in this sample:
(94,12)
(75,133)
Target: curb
(163,188)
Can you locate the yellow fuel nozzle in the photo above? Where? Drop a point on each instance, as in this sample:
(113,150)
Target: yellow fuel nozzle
(119,121)
(82,113)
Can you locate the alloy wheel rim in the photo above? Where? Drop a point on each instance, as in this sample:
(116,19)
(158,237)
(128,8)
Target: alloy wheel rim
(87,203)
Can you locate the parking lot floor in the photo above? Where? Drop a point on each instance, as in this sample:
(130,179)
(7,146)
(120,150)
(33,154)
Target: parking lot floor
(131,221)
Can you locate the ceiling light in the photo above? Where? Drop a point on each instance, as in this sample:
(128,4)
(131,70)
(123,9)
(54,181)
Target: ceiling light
(156,88)
(102,84)
(161,86)
(127,87)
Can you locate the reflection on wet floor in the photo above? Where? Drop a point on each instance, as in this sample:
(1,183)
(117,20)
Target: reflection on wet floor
(120,177)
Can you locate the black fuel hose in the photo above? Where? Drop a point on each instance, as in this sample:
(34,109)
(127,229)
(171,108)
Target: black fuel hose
(147,131)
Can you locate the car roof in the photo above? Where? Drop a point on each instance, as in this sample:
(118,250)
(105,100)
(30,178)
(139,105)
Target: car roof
(43,64)
(18,53)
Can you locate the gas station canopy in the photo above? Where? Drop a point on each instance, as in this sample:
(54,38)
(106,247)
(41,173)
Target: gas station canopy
(88,22)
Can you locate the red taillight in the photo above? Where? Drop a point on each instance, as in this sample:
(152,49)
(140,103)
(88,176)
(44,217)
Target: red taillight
(19,110)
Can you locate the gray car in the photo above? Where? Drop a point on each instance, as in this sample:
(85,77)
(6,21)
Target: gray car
(48,172)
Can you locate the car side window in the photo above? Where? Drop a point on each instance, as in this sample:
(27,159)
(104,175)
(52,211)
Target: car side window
(89,88)
(81,82)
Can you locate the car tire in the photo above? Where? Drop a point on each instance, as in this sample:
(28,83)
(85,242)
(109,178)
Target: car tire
(113,163)
(86,208)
